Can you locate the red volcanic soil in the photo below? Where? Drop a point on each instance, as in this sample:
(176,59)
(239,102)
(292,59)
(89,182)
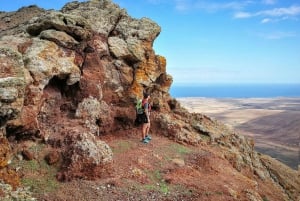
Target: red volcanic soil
(162,170)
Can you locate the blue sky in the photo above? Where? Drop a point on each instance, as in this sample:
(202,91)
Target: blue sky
(249,41)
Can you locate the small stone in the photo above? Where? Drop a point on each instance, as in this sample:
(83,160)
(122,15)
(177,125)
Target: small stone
(27,155)
(178,161)
(52,158)
(20,157)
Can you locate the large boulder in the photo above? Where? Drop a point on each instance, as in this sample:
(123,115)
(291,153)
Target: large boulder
(102,15)
(74,25)
(60,37)
(85,157)
(177,130)
(143,29)
(44,60)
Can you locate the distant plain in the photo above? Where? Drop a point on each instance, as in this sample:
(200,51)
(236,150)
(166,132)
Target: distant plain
(273,123)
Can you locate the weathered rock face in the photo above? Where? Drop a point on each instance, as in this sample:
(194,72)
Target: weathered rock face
(12,84)
(69,77)
(111,59)
(86,64)
(129,40)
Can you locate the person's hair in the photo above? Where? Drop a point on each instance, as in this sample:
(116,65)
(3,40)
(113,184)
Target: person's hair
(146,95)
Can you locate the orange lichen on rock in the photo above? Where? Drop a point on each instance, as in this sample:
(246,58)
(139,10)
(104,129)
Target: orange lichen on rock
(140,75)
(10,177)
(136,90)
(162,62)
(7,175)
(5,152)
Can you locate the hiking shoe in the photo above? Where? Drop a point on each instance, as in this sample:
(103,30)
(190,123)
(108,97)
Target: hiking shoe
(148,137)
(145,141)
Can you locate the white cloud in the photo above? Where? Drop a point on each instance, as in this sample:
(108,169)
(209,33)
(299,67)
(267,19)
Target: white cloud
(283,13)
(239,15)
(266,20)
(277,12)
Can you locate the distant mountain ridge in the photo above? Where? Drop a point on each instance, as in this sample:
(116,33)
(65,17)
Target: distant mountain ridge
(69,80)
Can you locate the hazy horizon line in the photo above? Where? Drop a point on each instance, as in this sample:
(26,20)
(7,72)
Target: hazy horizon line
(233,83)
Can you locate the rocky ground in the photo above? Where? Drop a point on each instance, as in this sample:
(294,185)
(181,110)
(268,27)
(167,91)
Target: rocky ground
(69,81)
(160,170)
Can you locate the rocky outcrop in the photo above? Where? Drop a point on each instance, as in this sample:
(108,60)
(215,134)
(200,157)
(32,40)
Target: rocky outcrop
(12,84)
(68,78)
(283,175)
(87,64)
(85,157)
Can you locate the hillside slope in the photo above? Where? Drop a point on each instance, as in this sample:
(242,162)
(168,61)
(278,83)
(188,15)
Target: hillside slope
(68,83)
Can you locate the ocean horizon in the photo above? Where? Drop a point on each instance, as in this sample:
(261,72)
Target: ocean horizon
(236,90)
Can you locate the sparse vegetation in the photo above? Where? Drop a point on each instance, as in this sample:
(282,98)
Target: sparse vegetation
(38,175)
(158,183)
(265,198)
(180,149)
(174,150)
(122,146)
(37,149)
(43,177)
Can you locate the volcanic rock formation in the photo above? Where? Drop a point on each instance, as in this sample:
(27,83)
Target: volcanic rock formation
(69,77)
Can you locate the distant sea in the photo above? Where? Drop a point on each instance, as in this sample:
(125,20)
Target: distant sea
(236,91)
